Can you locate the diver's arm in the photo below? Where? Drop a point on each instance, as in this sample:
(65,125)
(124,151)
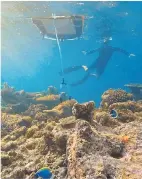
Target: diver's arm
(121,50)
(124,52)
(90,52)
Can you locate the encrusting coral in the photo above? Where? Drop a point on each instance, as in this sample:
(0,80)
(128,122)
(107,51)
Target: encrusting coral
(114,96)
(84,111)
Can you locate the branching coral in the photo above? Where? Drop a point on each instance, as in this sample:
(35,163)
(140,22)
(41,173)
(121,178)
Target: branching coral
(47,98)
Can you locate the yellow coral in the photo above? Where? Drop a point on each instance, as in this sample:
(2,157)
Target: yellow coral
(48,98)
(19,132)
(50,125)
(27,118)
(31,144)
(68,103)
(30,132)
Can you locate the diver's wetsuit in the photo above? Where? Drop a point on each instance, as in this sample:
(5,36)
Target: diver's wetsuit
(99,65)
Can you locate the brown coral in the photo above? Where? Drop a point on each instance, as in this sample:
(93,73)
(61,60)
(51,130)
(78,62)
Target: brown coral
(65,108)
(105,119)
(114,96)
(34,109)
(5,160)
(129,105)
(49,100)
(84,111)
(84,147)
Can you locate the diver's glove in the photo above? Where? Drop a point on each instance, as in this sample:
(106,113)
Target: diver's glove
(84,52)
(131,55)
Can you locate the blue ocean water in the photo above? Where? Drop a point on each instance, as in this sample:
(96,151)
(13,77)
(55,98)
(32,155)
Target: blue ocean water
(32,63)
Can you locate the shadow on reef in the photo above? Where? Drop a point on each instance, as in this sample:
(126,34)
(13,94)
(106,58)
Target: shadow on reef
(75,141)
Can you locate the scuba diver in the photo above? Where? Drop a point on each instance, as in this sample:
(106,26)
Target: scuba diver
(63,94)
(63,83)
(99,65)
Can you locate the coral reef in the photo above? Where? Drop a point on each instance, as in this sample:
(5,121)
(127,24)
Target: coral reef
(105,119)
(20,102)
(127,111)
(7,94)
(129,105)
(136,90)
(114,96)
(52,90)
(52,100)
(76,141)
(34,109)
(84,111)
(85,153)
(65,108)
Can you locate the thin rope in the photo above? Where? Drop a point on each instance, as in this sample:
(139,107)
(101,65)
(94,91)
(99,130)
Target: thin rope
(60,52)
(68,90)
(58,43)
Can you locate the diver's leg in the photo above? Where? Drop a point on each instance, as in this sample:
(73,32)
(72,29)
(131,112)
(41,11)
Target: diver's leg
(99,71)
(81,81)
(70,69)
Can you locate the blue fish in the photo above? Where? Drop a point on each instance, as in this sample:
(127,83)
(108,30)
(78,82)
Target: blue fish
(113,113)
(44,173)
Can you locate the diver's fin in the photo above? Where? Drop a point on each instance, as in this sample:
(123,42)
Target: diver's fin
(94,74)
(85,67)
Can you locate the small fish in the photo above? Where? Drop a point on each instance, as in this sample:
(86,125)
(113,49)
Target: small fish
(44,173)
(122,14)
(113,113)
(80,3)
